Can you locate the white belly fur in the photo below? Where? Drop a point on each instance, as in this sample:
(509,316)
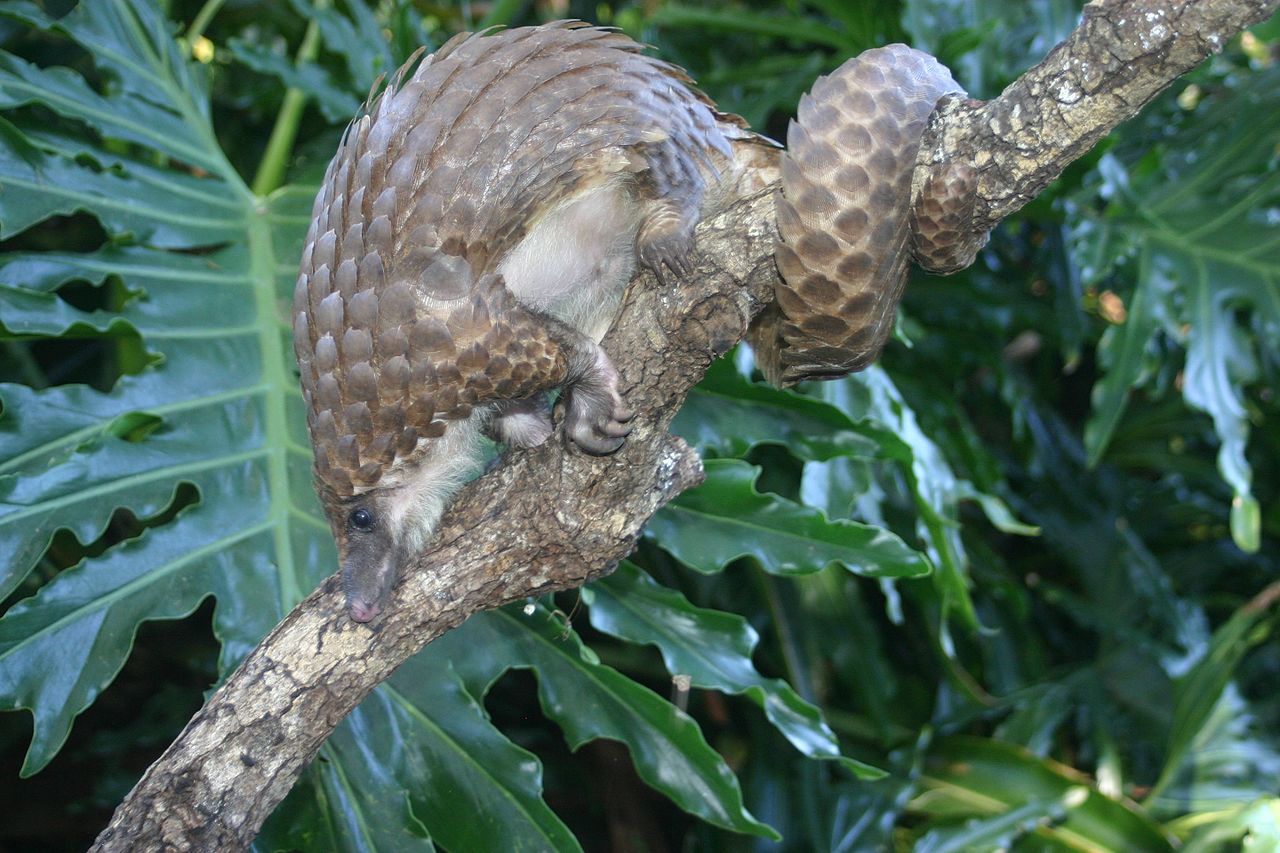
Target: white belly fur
(416,500)
(577,259)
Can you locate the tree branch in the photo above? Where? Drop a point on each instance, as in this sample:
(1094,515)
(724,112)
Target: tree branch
(1123,54)
(553,518)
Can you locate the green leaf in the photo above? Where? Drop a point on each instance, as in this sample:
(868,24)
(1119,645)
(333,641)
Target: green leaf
(589,700)
(1230,759)
(469,768)
(358,38)
(994,833)
(61,647)
(132,119)
(147,204)
(1198,693)
(871,399)
(713,649)
(1207,258)
(1125,351)
(726,518)
(364,808)
(988,44)
(335,102)
(160,284)
(727,415)
(996,511)
(967,777)
(419,753)
(815,809)
(764,85)
(842,487)
(130,40)
(745,21)
(219,404)
(1253,828)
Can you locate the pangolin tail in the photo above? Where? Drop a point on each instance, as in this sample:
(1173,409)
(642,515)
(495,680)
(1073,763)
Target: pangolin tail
(848,229)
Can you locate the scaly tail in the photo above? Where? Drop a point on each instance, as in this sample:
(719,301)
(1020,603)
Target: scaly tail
(846,219)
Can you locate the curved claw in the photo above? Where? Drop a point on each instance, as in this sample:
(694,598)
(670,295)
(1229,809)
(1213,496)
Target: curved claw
(615,428)
(595,445)
(672,250)
(595,418)
(598,436)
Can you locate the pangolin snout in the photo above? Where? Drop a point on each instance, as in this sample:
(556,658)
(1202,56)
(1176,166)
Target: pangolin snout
(366,582)
(362,611)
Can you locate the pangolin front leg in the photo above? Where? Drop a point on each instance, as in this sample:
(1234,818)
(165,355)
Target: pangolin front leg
(596,418)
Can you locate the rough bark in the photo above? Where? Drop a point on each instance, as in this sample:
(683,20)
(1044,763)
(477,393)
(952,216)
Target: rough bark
(1123,54)
(553,518)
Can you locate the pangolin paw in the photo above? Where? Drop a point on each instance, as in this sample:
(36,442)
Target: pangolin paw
(673,249)
(595,417)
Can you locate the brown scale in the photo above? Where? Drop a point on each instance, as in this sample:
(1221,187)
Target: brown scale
(845,215)
(941,221)
(401,324)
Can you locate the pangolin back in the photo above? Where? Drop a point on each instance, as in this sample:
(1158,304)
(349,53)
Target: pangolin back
(400,323)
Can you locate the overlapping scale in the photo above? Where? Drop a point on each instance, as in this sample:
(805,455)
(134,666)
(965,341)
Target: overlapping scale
(845,207)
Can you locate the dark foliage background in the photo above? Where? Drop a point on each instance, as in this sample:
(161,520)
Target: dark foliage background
(1013,588)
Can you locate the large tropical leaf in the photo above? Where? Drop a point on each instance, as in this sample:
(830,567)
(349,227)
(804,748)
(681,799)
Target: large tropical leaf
(982,794)
(726,518)
(590,700)
(1192,224)
(712,650)
(199,255)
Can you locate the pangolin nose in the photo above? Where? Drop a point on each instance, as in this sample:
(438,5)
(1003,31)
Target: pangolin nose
(362,611)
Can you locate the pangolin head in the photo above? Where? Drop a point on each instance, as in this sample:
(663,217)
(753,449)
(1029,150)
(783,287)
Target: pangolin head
(368,549)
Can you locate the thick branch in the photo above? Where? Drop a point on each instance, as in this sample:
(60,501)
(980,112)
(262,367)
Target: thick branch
(553,518)
(1123,54)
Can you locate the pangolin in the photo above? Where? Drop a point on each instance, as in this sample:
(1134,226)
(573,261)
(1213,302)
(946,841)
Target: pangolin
(471,240)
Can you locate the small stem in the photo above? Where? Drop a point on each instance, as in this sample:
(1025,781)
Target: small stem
(271,170)
(202,19)
(797,673)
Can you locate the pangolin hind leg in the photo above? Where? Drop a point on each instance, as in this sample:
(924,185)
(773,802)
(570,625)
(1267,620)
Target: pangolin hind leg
(523,423)
(666,238)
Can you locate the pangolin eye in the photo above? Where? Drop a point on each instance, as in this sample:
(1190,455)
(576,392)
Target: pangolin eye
(361,519)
